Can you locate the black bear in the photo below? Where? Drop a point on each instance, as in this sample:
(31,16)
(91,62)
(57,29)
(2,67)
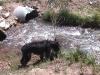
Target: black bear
(33,14)
(46,49)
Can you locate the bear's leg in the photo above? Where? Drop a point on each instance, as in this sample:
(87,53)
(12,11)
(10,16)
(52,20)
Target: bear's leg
(52,56)
(47,54)
(25,59)
(42,57)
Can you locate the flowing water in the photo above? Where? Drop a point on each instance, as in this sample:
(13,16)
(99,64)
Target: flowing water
(69,37)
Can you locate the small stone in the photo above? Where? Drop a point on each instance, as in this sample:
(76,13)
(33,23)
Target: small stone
(6,15)
(4,25)
(1,19)
(90,3)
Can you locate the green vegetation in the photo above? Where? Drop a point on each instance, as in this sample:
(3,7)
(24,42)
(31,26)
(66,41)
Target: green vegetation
(65,18)
(79,56)
(20,1)
(2,2)
(96,19)
(47,16)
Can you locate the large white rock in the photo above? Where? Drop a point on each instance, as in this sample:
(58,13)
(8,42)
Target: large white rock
(20,12)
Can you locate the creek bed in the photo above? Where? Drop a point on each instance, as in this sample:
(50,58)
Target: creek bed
(69,37)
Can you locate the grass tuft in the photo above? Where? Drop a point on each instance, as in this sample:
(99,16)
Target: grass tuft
(79,56)
(47,16)
(68,19)
(65,18)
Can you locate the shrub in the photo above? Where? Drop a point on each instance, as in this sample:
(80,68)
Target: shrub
(20,1)
(68,19)
(92,22)
(96,19)
(65,18)
(79,56)
(47,16)
(1,2)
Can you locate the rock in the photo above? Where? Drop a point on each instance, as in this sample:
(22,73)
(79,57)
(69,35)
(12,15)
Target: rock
(12,20)
(4,24)
(93,2)
(6,15)
(7,23)
(90,3)
(1,19)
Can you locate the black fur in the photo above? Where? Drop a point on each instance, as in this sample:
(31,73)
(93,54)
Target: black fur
(46,49)
(31,15)
(2,35)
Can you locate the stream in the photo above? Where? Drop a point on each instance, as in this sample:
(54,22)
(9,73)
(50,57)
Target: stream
(68,37)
